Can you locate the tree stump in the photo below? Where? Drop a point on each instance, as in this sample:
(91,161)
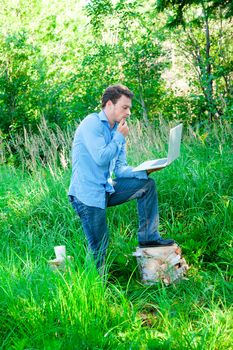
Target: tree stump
(164,264)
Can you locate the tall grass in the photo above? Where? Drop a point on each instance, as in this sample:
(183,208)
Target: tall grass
(78,309)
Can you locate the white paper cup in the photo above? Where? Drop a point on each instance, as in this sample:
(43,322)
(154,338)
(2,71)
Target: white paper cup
(60,251)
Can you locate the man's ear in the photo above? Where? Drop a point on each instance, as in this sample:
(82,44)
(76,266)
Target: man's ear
(109,103)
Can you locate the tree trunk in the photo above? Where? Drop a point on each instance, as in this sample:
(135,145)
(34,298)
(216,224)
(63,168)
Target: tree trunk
(142,102)
(144,110)
(208,79)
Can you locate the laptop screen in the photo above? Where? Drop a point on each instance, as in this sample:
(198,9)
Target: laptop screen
(174,143)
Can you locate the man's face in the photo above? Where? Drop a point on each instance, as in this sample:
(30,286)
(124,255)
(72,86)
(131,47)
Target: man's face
(121,109)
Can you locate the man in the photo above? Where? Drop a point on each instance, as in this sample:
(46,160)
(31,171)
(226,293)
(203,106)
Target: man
(99,151)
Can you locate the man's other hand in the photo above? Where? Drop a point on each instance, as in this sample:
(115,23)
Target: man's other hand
(123,128)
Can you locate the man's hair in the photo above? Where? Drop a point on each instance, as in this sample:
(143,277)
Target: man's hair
(114,92)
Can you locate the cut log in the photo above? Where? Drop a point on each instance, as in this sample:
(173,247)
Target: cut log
(161,264)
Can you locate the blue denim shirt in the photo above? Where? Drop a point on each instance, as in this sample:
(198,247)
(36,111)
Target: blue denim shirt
(98,151)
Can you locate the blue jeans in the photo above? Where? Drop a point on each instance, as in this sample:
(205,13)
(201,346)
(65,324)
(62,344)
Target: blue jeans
(93,219)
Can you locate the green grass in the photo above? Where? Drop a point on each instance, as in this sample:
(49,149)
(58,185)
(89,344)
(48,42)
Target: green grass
(41,309)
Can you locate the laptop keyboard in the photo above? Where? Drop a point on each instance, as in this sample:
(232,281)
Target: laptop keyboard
(160,161)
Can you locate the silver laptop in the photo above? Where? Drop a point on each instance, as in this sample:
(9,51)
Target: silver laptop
(173,152)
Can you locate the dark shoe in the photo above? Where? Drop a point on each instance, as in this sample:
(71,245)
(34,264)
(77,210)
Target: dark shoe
(158,243)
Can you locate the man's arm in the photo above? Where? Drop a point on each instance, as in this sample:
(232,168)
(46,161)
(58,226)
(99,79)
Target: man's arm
(123,170)
(94,140)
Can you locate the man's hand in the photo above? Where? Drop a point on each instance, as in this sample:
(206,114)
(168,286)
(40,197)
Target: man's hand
(123,128)
(149,171)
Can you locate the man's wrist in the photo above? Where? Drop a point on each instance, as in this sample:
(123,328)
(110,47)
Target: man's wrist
(119,137)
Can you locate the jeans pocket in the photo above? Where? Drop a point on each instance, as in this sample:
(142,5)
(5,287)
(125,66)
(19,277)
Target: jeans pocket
(80,208)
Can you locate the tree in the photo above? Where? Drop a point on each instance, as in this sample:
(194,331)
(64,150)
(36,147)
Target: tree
(21,82)
(194,15)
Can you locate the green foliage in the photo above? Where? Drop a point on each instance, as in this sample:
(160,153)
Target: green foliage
(56,61)
(180,7)
(206,47)
(22,75)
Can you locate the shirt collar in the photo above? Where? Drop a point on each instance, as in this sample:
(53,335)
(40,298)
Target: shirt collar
(104,118)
